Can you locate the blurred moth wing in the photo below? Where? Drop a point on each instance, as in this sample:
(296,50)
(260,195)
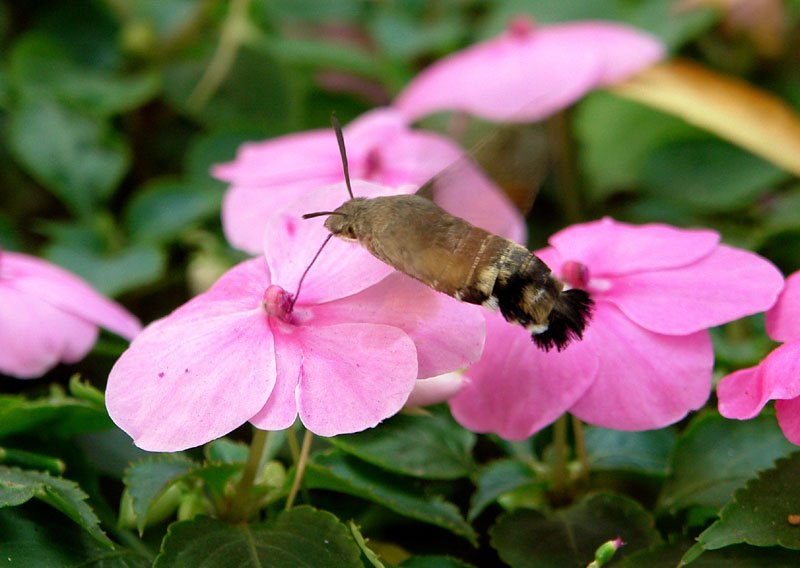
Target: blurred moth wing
(414,235)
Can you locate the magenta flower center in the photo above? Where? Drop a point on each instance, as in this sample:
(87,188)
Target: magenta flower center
(576,274)
(372,164)
(521,26)
(277,302)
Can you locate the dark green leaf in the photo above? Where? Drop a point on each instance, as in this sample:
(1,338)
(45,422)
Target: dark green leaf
(343,473)
(671,555)
(432,447)
(80,160)
(494,480)
(111,274)
(434,562)
(760,512)
(215,148)
(57,415)
(368,553)
(165,209)
(715,456)
(569,537)
(33,537)
(62,494)
(40,67)
(148,480)
(226,451)
(645,452)
(709,175)
(300,538)
(601,121)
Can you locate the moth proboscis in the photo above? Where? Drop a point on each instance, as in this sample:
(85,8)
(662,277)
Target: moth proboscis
(417,237)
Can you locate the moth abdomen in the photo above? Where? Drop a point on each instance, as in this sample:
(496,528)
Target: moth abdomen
(527,293)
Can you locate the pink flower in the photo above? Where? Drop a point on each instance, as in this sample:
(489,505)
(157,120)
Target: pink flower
(646,358)
(744,393)
(48,315)
(267,176)
(344,357)
(531,71)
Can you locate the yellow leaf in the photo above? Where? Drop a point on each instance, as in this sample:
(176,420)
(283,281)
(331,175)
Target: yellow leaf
(729,107)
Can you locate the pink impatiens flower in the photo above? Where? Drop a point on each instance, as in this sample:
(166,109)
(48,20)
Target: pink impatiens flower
(531,71)
(343,354)
(48,315)
(744,393)
(646,358)
(267,176)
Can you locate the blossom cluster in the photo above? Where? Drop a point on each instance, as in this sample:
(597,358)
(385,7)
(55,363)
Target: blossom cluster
(345,342)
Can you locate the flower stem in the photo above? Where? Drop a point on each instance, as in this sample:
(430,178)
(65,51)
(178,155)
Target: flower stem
(565,166)
(559,472)
(580,448)
(240,509)
(301,468)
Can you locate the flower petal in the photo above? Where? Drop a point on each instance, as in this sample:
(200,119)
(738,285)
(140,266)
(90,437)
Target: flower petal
(448,334)
(609,247)
(646,380)
(35,336)
(342,268)
(529,72)
(788,413)
(436,389)
(517,389)
(280,411)
(783,320)
(66,292)
(723,286)
(200,372)
(744,393)
(353,376)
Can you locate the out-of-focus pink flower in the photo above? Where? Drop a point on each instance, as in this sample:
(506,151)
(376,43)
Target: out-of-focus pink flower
(48,315)
(646,358)
(436,389)
(267,176)
(344,357)
(530,71)
(744,393)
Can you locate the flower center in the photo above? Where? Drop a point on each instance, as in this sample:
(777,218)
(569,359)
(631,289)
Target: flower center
(575,274)
(277,302)
(521,26)
(372,164)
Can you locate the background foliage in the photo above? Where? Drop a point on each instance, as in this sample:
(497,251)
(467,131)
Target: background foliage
(112,112)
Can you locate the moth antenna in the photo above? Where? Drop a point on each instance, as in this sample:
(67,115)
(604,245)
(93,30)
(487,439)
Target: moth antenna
(303,277)
(321,213)
(337,128)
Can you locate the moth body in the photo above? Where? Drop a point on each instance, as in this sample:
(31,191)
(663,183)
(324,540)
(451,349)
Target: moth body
(417,237)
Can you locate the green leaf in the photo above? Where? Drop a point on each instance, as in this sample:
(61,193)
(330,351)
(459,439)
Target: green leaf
(743,556)
(601,121)
(111,274)
(300,537)
(40,67)
(80,160)
(494,480)
(339,472)
(164,209)
(33,536)
(432,447)
(709,175)
(760,512)
(569,537)
(62,494)
(715,456)
(57,415)
(226,451)
(148,480)
(645,452)
(434,562)
(368,553)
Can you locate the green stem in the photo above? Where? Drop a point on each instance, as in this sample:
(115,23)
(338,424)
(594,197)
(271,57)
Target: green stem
(559,472)
(301,468)
(580,448)
(240,504)
(233,31)
(565,167)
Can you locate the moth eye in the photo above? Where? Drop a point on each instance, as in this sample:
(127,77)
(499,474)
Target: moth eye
(350,233)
